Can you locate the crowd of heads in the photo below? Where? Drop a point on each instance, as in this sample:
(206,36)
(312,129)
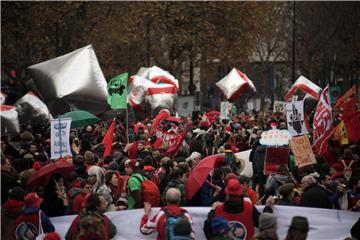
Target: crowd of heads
(105,177)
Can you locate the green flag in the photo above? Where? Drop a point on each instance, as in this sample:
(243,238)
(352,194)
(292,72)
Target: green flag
(117,88)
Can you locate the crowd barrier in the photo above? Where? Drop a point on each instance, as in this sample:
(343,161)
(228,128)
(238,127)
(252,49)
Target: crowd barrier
(328,224)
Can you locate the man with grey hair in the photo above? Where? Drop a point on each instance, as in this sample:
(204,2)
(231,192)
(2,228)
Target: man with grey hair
(313,195)
(163,222)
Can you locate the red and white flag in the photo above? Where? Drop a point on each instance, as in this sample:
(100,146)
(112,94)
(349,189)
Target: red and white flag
(161,95)
(305,85)
(322,123)
(158,75)
(235,83)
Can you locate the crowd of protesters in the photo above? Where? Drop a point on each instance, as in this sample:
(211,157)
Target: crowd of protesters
(114,182)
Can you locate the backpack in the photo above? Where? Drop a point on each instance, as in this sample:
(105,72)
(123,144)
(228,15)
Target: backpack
(170,223)
(28,231)
(150,192)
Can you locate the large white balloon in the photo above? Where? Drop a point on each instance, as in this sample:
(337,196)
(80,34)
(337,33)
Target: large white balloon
(32,110)
(234,84)
(74,79)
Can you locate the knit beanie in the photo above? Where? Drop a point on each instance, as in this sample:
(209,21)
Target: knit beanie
(266,221)
(182,228)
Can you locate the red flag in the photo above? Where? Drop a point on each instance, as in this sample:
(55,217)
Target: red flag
(352,126)
(173,149)
(322,124)
(347,103)
(164,113)
(108,140)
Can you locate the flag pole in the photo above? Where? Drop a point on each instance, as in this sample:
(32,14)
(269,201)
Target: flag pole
(127,125)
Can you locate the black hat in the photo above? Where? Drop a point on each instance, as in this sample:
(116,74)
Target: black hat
(300,223)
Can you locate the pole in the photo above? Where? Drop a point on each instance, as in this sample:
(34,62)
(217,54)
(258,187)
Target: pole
(127,125)
(293,44)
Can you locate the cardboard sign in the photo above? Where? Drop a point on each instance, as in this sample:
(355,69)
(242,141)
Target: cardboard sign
(275,137)
(302,150)
(274,157)
(279,106)
(295,118)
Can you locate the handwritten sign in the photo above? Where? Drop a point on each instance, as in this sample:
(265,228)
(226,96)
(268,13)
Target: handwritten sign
(60,132)
(275,137)
(302,150)
(279,106)
(274,157)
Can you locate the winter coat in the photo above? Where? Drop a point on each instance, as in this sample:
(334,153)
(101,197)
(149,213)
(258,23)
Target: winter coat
(9,212)
(314,196)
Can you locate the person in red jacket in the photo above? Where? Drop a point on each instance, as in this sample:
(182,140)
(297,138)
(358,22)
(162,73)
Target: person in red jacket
(160,222)
(86,187)
(241,214)
(28,223)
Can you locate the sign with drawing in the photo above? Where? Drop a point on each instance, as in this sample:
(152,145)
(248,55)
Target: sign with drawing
(295,118)
(279,106)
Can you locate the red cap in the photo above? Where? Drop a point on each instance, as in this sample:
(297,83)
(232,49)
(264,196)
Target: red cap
(148,168)
(52,236)
(230,176)
(233,187)
(33,200)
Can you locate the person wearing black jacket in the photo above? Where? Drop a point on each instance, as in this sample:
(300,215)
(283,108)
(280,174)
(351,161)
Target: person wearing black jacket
(313,195)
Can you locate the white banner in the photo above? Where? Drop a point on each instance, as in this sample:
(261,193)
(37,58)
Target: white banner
(328,224)
(60,135)
(225,108)
(295,118)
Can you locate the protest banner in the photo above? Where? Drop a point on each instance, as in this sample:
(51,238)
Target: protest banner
(117,89)
(275,137)
(295,118)
(302,150)
(274,157)
(279,106)
(325,223)
(322,123)
(225,108)
(60,135)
